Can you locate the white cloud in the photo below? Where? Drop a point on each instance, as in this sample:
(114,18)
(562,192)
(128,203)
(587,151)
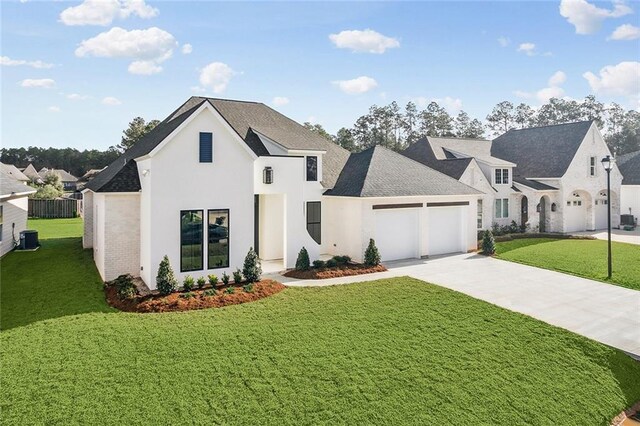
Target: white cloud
(363,41)
(280,100)
(104,12)
(148,47)
(312,119)
(547,93)
(54,108)
(625,32)
(452,105)
(77,97)
(111,101)
(358,85)
(216,76)
(586,17)
(44,83)
(557,78)
(528,48)
(622,79)
(8,62)
(198,89)
(187,48)
(504,41)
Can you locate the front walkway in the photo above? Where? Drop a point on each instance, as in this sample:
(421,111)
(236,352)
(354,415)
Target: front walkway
(602,312)
(619,235)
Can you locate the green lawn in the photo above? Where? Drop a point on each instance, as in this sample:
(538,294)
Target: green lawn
(386,352)
(586,258)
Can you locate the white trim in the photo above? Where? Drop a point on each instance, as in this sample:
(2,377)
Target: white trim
(208,106)
(16,195)
(291,151)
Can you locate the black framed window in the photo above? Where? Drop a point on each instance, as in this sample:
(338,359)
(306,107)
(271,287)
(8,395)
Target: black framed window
(312,168)
(218,239)
(191,235)
(313,220)
(206,147)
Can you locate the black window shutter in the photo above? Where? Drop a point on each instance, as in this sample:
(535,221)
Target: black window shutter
(206,147)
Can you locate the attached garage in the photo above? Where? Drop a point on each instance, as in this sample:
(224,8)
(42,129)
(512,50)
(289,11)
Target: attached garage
(601,208)
(446,228)
(397,232)
(575,216)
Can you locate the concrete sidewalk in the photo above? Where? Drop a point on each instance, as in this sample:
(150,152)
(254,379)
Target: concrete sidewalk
(602,312)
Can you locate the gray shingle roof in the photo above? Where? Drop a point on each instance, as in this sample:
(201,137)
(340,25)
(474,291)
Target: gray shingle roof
(245,118)
(422,152)
(380,172)
(13,172)
(65,176)
(541,152)
(9,186)
(533,184)
(629,165)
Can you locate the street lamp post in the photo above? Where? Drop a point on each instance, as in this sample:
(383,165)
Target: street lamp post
(607,162)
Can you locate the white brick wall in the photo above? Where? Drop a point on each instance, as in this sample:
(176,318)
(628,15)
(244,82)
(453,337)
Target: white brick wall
(121,235)
(14,212)
(87,235)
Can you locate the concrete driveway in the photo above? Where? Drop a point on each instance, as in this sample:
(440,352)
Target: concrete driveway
(619,235)
(602,312)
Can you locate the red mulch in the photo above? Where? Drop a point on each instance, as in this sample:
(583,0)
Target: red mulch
(338,271)
(175,303)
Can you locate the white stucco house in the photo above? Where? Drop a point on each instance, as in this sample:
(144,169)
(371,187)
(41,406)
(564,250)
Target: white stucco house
(14,206)
(629,165)
(217,177)
(549,178)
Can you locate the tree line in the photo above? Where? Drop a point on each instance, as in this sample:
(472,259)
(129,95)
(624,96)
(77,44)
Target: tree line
(397,128)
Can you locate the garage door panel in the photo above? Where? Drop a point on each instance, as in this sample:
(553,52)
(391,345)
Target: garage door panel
(445,230)
(396,233)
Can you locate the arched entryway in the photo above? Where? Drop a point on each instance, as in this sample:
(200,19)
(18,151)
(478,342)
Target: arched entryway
(524,212)
(544,210)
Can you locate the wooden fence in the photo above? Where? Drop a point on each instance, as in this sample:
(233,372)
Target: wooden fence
(55,208)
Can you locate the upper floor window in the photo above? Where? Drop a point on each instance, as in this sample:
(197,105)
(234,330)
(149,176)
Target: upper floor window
(502,208)
(314,219)
(502,176)
(206,147)
(312,168)
(592,166)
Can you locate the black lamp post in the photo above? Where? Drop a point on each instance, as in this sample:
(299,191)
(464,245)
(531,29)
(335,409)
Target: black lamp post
(607,162)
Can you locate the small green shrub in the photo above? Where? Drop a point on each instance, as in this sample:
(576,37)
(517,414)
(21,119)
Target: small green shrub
(237,276)
(488,243)
(302,262)
(213,280)
(252,270)
(187,295)
(248,288)
(166,280)
(201,282)
(342,260)
(229,290)
(188,283)
(126,289)
(371,254)
(225,278)
(331,263)
(210,292)
(319,264)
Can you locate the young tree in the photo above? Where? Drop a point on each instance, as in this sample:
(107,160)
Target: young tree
(53,179)
(165,280)
(302,262)
(502,118)
(488,243)
(371,254)
(252,270)
(136,130)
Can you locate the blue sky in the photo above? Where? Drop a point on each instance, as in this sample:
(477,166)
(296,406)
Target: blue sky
(96,73)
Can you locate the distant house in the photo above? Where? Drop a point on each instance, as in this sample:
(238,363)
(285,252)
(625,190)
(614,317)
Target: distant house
(69,181)
(13,172)
(32,174)
(14,205)
(629,165)
(86,178)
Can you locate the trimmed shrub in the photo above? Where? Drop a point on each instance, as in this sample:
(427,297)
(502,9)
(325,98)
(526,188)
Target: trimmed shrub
(302,262)
(210,292)
(248,288)
(319,264)
(213,280)
(188,295)
(332,263)
(237,276)
(229,290)
(125,287)
(488,243)
(166,280)
(371,254)
(342,260)
(188,283)
(201,282)
(252,268)
(225,278)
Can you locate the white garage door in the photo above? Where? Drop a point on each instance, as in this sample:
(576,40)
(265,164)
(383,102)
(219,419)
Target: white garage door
(396,233)
(445,231)
(575,216)
(601,213)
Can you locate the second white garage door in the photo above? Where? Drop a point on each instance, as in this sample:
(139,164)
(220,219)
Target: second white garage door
(397,232)
(445,230)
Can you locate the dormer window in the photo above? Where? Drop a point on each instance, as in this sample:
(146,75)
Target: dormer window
(502,177)
(312,168)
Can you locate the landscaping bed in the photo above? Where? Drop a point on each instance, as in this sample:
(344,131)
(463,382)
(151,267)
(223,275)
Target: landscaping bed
(231,294)
(335,272)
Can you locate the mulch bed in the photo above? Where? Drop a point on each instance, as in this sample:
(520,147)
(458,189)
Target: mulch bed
(174,302)
(338,271)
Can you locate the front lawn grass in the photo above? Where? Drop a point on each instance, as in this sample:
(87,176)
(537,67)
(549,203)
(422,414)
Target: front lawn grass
(396,351)
(586,258)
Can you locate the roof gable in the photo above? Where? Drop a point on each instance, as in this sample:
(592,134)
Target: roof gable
(422,152)
(10,187)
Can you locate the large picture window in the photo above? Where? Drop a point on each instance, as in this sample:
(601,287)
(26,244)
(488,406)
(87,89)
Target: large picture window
(313,220)
(218,239)
(191,234)
(312,168)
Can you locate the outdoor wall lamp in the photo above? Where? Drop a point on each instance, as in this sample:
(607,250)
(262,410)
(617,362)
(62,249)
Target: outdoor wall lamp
(267,175)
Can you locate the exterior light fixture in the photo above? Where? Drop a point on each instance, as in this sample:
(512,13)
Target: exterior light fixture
(607,163)
(267,175)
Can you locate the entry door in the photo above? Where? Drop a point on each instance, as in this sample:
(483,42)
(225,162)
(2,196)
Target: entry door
(446,229)
(396,233)
(601,207)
